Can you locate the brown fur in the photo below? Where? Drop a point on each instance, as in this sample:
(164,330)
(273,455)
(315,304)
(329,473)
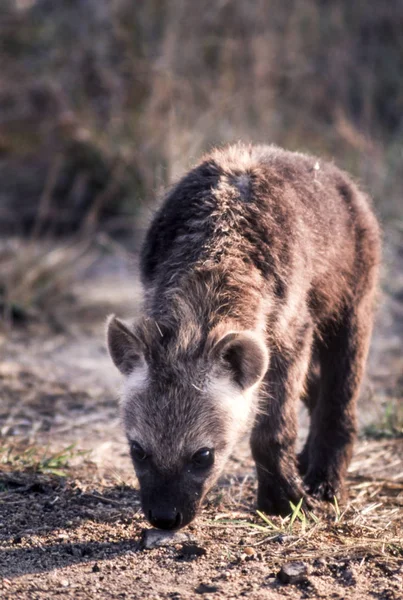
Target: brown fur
(259,272)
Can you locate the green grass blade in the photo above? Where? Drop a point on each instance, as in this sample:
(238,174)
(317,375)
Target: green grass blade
(295,513)
(267,521)
(336,509)
(314,517)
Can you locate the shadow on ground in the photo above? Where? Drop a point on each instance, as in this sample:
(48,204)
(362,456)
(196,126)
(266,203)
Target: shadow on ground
(44,517)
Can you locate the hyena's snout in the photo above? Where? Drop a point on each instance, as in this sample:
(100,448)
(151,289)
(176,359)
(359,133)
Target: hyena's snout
(169,508)
(165,517)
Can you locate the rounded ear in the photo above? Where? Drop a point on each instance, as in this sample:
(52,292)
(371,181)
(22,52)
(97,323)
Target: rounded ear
(245,355)
(124,347)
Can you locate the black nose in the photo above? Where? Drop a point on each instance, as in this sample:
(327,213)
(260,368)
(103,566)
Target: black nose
(165,518)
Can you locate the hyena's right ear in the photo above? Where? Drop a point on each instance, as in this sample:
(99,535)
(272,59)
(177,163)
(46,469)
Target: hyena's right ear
(124,347)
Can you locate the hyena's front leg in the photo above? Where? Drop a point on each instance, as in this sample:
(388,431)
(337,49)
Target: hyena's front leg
(310,399)
(333,421)
(274,434)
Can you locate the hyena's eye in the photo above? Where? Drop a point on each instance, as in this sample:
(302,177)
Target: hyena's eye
(203,458)
(137,452)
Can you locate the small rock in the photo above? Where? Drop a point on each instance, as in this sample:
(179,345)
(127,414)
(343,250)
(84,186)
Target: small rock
(320,562)
(65,583)
(249,550)
(96,568)
(293,572)
(205,588)
(155,538)
(17,539)
(348,576)
(283,539)
(192,550)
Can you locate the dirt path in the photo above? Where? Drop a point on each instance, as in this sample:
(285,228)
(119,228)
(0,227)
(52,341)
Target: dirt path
(70,524)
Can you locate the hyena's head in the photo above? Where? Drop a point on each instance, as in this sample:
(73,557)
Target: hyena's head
(184,414)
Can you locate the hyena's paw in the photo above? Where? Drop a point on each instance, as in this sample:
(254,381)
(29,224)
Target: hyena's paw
(325,489)
(275,500)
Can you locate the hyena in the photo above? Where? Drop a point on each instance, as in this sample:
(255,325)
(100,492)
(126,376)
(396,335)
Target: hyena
(259,271)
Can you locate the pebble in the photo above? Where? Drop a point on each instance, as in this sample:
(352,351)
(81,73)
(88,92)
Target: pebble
(293,572)
(155,538)
(348,576)
(249,550)
(283,539)
(191,550)
(205,588)
(320,562)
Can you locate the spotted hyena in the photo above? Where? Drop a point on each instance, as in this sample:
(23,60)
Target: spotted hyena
(259,271)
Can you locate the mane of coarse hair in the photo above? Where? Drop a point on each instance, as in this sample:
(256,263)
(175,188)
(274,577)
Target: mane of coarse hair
(188,319)
(172,334)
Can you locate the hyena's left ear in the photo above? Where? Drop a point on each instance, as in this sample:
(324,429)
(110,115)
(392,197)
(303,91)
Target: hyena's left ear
(124,347)
(244,354)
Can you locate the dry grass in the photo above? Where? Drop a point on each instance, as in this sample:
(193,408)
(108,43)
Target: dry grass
(390,423)
(370,524)
(154,84)
(36,460)
(37,277)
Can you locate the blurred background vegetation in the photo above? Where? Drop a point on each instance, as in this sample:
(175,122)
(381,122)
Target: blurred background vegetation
(103,102)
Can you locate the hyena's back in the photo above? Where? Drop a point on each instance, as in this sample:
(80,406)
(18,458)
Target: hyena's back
(284,221)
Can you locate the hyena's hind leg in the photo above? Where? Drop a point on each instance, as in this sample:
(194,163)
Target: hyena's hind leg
(310,398)
(343,354)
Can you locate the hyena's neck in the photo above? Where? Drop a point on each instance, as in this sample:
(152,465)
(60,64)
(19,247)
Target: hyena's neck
(205,299)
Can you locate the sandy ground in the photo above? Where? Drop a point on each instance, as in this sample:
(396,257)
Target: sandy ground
(72,526)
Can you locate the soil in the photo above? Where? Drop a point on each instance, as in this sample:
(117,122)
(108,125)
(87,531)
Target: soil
(70,518)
